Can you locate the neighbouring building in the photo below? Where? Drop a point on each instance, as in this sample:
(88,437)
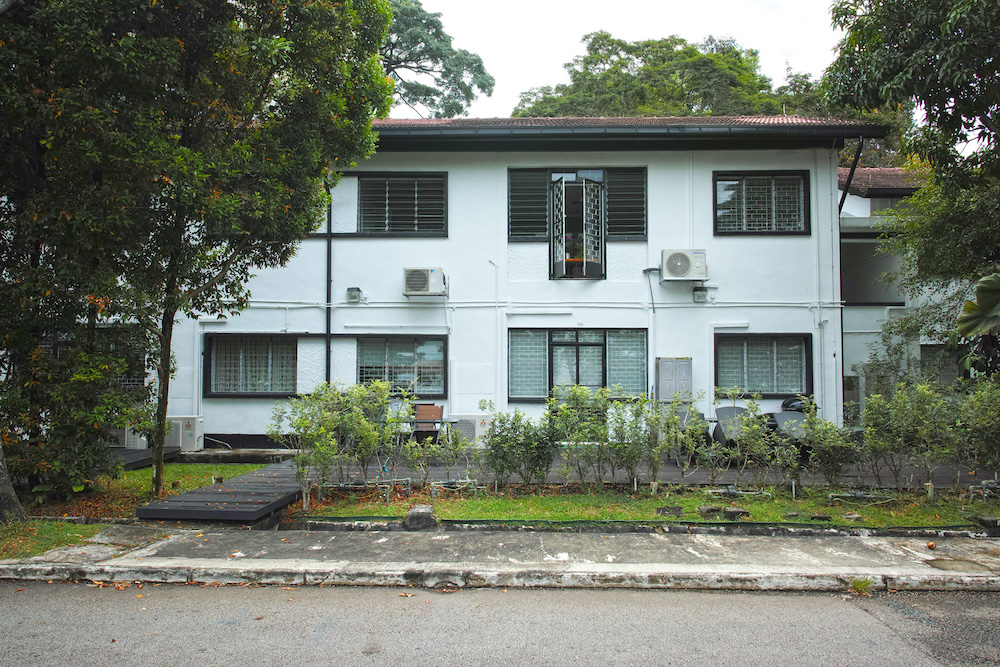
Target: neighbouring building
(494,259)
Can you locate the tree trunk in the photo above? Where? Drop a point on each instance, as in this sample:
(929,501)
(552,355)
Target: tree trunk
(162,391)
(10,509)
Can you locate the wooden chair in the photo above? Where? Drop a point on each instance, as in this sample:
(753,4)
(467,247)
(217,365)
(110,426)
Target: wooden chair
(427,422)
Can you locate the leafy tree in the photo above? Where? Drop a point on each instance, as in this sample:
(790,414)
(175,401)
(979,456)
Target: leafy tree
(428,71)
(207,127)
(939,54)
(663,77)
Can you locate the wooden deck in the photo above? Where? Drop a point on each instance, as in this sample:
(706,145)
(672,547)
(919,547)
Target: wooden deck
(133,459)
(242,499)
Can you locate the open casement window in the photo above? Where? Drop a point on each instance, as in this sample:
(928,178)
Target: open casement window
(578,223)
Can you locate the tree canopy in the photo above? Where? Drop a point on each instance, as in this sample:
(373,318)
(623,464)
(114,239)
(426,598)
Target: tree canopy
(153,155)
(430,74)
(940,55)
(661,77)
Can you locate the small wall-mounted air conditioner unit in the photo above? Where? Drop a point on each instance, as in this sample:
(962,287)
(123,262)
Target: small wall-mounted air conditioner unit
(188,433)
(425,282)
(683,265)
(127,438)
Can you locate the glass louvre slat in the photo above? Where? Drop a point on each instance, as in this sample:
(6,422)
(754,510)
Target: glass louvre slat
(762,364)
(430,367)
(627,360)
(528,376)
(563,365)
(591,360)
(730,369)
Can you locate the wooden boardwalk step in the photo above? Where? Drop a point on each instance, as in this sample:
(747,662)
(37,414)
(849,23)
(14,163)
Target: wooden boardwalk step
(242,499)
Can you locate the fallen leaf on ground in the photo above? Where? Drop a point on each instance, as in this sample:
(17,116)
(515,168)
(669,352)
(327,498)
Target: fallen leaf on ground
(402,595)
(258,618)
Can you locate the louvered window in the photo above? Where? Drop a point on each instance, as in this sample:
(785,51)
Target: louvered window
(541,359)
(768,365)
(530,204)
(403,204)
(762,203)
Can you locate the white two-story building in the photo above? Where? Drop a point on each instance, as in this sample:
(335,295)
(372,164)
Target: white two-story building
(495,259)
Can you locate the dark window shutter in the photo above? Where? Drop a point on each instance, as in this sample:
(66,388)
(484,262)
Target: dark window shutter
(626,203)
(402,204)
(527,203)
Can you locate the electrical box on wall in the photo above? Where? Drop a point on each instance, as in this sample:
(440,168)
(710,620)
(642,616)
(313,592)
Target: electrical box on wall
(683,265)
(673,376)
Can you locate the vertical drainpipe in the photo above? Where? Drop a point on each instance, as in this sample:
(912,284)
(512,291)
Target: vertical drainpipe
(837,236)
(329,284)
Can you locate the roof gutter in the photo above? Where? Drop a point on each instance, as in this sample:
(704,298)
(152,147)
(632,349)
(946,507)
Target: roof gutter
(850,176)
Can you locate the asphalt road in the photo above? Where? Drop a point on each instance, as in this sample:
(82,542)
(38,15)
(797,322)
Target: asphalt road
(76,624)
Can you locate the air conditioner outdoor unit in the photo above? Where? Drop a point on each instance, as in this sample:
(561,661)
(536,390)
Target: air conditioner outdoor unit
(188,433)
(127,438)
(683,265)
(425,282)
(472,427)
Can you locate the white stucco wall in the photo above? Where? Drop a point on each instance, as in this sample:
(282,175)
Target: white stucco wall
(767,284)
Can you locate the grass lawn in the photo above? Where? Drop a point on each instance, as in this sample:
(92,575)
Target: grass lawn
(905,510)
(120,497)
(36,537)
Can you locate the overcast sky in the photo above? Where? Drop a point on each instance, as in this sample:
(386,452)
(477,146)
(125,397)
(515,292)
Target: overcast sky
(525,43)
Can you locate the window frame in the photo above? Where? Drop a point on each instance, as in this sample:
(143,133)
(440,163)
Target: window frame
(361,175)
(609,235)
(807,360)
(208,367)
(550,345)
(730,175)
(415,338)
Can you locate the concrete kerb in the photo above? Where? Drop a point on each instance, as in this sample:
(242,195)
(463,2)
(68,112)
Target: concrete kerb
(457,576)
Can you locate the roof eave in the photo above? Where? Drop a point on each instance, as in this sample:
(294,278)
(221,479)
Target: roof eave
(676,137)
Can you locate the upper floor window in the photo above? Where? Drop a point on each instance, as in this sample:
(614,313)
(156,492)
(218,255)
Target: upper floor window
(251,365)
(400,204)
(576,211)
(761,202)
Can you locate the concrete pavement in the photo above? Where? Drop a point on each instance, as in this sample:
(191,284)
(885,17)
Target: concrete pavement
(519,558)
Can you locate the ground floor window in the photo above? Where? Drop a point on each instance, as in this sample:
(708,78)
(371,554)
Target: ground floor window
(414,364)
(770,365)
(251,364)
(540,359)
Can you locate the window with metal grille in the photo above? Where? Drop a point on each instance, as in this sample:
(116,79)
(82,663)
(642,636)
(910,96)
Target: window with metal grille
(252,365)
(541,359)
(530,202)
(403,204)
(761,202)
(770,365)
(416,365)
